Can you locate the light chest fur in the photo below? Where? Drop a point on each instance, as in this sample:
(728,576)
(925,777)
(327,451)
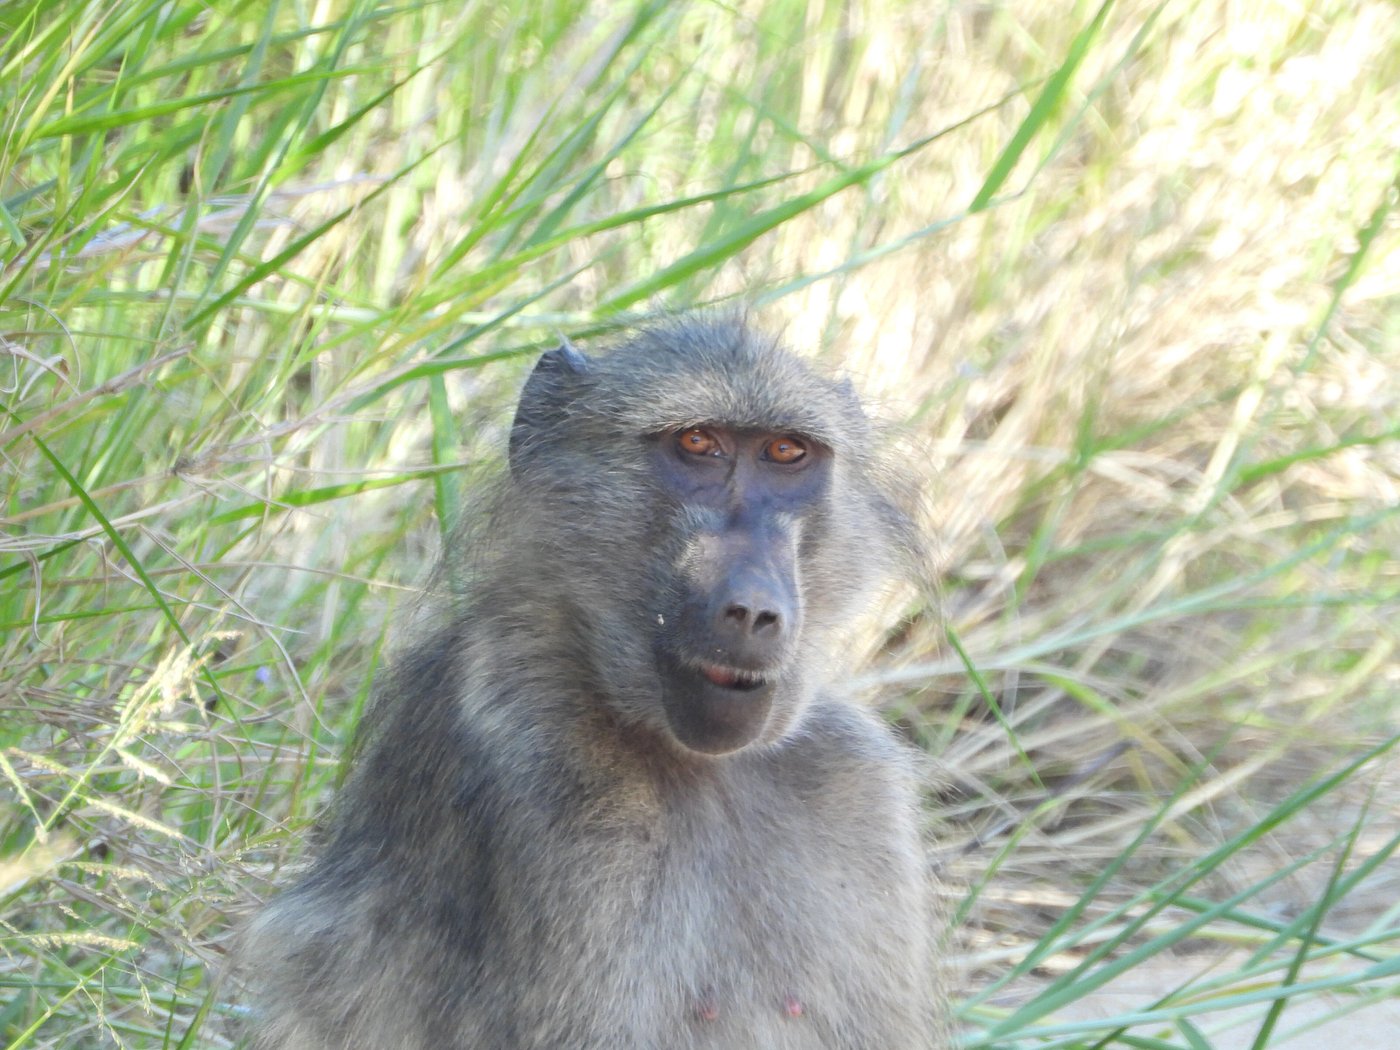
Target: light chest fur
(725,874)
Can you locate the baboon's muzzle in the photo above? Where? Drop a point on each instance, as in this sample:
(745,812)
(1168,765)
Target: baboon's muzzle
(739,618)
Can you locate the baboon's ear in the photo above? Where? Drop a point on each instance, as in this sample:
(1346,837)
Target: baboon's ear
(551,386)
(848,391)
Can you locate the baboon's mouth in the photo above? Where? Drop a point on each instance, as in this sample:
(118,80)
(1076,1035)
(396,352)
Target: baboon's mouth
(732,677)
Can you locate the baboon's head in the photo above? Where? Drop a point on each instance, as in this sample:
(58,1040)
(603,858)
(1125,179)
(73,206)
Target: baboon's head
(702,510)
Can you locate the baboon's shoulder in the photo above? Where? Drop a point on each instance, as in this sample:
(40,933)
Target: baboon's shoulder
(849,756)
(854,735)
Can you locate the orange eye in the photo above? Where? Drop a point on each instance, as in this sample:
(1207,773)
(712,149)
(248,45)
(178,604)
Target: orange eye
(697,442)
(786,449)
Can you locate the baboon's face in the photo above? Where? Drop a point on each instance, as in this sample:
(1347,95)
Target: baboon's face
(696,506)
(726,633)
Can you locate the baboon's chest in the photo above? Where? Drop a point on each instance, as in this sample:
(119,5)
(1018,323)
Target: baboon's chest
(731,925)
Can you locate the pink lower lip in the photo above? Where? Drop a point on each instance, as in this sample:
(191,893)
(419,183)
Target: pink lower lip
(720,675)
(729,677)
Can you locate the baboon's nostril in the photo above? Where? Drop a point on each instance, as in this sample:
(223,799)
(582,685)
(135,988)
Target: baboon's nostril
(752,622)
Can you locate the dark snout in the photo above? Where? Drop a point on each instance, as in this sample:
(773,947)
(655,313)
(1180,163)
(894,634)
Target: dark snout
(733,639)
(751,611)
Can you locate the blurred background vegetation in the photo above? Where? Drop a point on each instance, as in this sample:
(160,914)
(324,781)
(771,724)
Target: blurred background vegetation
(1126,276)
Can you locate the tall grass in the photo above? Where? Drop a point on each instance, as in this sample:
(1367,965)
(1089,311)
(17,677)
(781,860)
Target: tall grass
(1128,272)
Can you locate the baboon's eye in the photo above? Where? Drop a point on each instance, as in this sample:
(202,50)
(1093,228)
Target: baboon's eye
(787,449)
(697,441)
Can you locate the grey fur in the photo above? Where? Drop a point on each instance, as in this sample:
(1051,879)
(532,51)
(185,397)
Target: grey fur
(525,858)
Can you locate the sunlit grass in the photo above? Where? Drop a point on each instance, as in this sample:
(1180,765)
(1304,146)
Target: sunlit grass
(1127,275)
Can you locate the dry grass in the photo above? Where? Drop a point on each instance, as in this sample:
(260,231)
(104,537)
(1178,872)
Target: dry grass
(1154,383)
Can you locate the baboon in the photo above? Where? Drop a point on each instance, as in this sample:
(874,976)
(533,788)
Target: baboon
(615,803)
